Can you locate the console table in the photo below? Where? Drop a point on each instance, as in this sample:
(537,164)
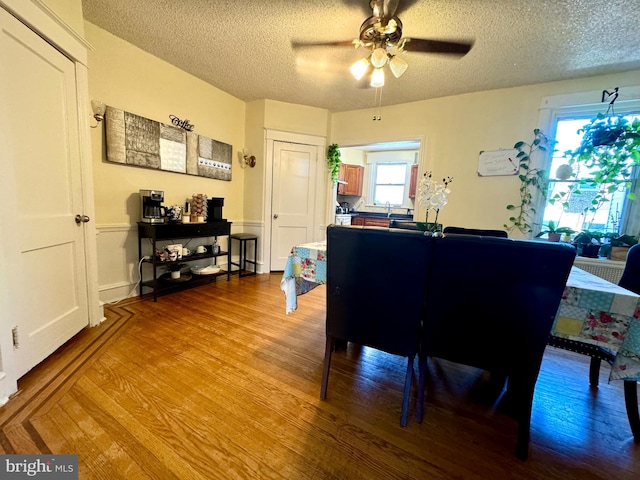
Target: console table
(171,232)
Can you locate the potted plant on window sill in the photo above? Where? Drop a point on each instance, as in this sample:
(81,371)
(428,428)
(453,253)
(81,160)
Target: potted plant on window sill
(553,232)
(588,243)
(618,246)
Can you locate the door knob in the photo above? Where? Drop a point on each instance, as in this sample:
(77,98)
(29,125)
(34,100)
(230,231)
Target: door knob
(275,215)
(82,219)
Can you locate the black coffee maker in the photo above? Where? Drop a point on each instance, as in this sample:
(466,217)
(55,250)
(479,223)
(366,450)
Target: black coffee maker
(151,204)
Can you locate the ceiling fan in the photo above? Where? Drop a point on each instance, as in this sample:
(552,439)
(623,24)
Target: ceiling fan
(381,35)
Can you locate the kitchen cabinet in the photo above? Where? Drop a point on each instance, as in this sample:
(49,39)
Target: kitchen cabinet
(376,222)
(169,233)
(354,176)
(370,221)
(413,181)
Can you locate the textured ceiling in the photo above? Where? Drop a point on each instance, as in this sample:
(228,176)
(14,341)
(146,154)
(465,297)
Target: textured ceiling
(244,46)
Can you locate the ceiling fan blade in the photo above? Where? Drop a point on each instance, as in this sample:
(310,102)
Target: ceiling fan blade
(423,45)
(344,43)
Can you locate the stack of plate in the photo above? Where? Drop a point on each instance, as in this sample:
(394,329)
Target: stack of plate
(208,270)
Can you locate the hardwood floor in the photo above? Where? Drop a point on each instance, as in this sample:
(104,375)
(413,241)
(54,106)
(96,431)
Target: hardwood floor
(218,383)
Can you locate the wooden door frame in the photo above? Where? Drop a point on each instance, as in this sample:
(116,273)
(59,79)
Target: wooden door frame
(272,136)
(43,21)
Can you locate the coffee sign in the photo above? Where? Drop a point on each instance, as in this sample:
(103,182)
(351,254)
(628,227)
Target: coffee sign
(181,123)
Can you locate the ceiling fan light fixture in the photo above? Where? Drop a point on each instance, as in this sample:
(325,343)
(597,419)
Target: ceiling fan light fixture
(398,66)
(359,68)
(379,57)
(377,78)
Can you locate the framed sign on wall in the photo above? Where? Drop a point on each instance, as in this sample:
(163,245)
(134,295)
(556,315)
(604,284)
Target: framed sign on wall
(141,142)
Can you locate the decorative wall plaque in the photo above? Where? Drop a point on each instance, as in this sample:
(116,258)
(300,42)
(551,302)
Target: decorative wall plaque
(138,141)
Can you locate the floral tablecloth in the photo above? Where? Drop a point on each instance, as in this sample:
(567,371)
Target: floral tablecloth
(306,269)
(601,313)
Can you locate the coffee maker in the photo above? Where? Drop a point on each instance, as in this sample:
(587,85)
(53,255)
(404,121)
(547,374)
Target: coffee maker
(151,204)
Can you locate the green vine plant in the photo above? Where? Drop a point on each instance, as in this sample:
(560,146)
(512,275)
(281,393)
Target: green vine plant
(333,161)
(531,180)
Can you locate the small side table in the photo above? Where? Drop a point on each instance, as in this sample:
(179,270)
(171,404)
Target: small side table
(243,239)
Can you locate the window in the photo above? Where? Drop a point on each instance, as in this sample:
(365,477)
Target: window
(389,184)
(614,215)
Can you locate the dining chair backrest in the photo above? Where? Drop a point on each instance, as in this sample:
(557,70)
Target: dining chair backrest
(376,282)
(631,275)
(475,231)
(493,298)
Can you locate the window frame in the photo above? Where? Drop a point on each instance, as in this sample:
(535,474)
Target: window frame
(405,185)
(381,157)
(581,105)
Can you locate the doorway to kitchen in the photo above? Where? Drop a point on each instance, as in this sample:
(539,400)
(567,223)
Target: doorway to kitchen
(388,180)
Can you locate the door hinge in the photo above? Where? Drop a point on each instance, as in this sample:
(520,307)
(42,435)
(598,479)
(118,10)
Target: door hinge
(14,334)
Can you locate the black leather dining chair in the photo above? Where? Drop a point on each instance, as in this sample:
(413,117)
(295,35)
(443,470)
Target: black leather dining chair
(630,280)
(376,282)
(491,305)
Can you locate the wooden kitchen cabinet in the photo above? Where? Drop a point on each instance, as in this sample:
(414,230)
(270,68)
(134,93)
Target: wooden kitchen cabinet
(353,175)
(413,181)
(376,222)
(370,221)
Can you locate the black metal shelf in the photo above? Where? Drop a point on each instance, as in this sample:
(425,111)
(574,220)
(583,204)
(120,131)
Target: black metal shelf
(190,258)
(172,231)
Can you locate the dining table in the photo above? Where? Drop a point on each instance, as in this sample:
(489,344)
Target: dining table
(306,268)
(592,310)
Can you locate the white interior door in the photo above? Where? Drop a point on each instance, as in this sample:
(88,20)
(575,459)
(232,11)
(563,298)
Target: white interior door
(41,192)
(293,199)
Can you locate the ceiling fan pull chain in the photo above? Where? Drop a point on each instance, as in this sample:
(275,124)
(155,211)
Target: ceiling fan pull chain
(378,105)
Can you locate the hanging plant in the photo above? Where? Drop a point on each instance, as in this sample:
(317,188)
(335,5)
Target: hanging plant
(531,180)
(610,146)
(333,161)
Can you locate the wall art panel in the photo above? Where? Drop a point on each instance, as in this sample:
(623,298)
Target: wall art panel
(141,142)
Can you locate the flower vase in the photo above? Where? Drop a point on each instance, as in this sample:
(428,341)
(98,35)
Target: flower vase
(432,227)
(175,275)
